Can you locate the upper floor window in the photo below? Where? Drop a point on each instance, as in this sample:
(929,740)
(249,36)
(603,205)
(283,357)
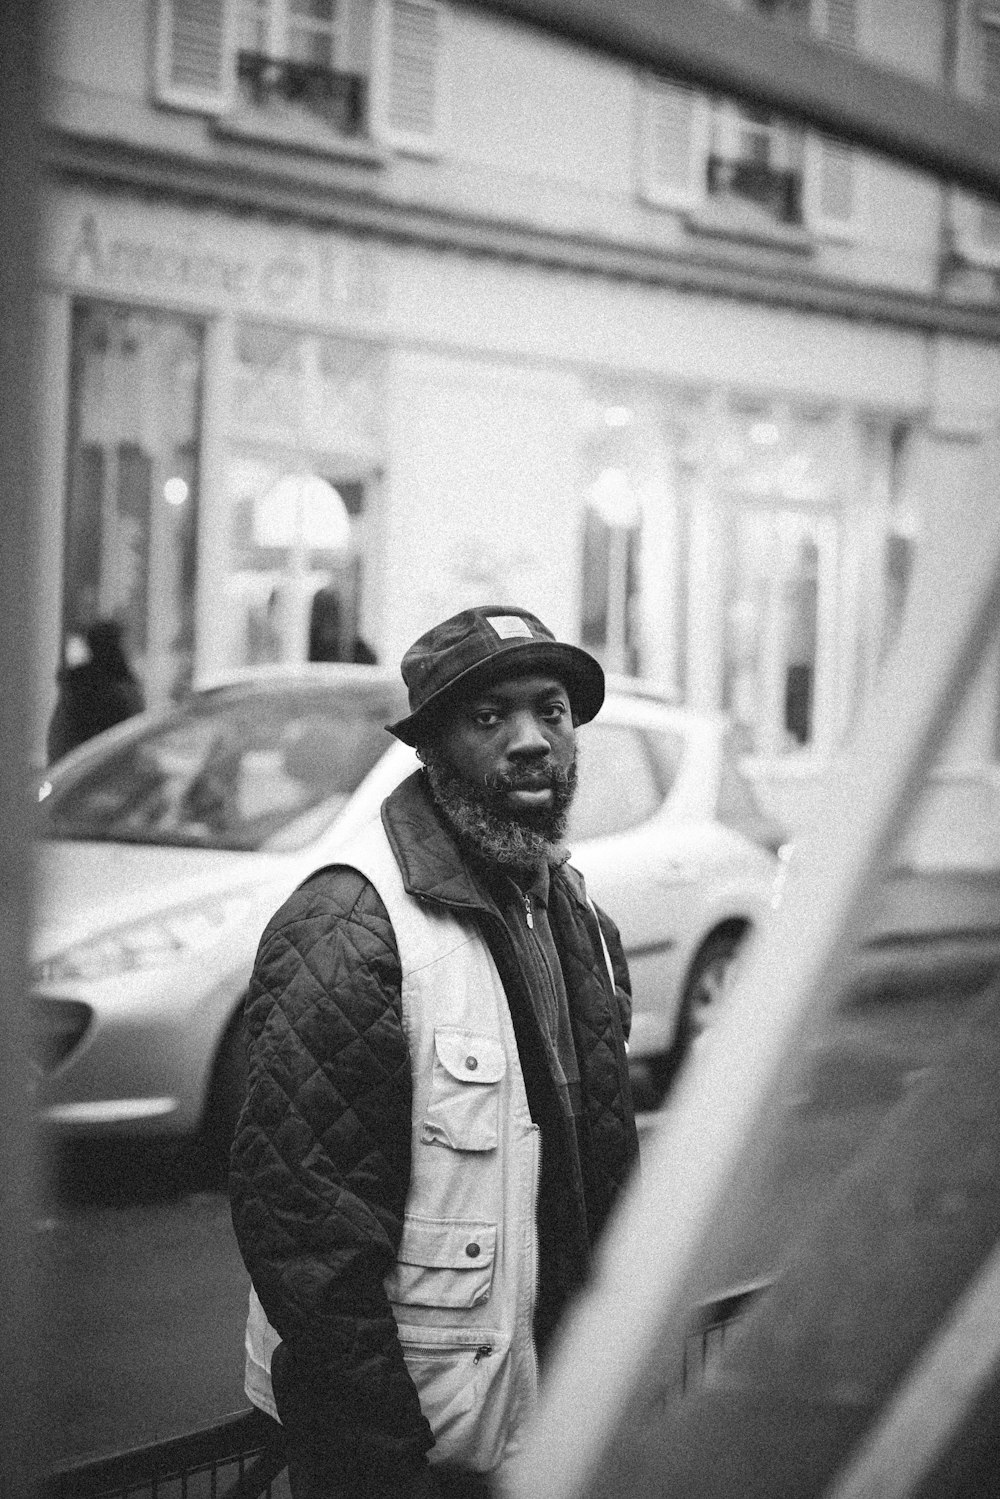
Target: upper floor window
(706,153)
(314,73)
(299,54)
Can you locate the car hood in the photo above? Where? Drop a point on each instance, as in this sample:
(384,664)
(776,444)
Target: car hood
(83,888)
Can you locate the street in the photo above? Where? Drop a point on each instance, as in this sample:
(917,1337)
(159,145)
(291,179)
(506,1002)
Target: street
(145,1298)
(146,1293)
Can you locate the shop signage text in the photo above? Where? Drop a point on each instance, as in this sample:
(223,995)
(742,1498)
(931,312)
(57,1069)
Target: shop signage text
(235,266)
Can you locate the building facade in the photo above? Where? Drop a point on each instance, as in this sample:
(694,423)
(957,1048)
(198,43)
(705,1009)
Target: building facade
(413,302)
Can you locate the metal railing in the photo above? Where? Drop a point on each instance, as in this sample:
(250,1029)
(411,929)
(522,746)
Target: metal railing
(243,1457)
(240,1457)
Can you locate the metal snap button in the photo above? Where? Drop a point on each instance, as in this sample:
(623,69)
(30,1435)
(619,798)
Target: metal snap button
(472,1063)
(472,1250)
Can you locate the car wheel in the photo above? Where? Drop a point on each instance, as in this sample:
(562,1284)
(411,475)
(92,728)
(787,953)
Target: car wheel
(708,981)
(229,1086)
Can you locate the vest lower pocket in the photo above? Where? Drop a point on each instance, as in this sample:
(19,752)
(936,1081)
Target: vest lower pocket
(463,1109)
(443,1263)
(463,1379)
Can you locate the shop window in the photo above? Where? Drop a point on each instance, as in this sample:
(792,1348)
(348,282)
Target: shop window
(705,153)
(307,72)
(609,590)
(294,566)
(309,392)
(779,649)
(304,451)
(633,584)
(132,491)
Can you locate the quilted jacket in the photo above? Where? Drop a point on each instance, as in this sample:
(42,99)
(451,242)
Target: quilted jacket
(320,1162)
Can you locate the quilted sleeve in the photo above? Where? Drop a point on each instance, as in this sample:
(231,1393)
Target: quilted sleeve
(320,1168)
(619,967)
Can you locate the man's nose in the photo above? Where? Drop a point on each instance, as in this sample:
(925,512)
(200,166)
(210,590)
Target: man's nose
(526,739)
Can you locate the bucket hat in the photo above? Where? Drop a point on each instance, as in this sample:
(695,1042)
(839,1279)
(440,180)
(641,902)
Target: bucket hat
(478,645)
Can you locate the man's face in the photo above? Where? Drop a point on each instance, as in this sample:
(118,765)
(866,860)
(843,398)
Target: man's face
(502,767)
(509,737)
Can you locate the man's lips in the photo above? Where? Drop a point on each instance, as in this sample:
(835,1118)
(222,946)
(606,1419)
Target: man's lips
(530,789)
(535,794)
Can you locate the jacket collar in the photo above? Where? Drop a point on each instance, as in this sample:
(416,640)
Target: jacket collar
(429,858)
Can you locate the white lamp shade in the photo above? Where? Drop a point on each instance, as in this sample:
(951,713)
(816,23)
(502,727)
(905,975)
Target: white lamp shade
(302,510)
(615,500)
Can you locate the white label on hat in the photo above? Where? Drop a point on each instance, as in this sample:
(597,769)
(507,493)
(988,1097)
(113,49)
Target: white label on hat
(509,625)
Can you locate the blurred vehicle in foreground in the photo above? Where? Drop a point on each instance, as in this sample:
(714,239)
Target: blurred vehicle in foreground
(167,843)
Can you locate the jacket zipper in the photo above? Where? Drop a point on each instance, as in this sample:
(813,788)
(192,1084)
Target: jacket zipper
(533,1284)
(527,912)
(447,1351)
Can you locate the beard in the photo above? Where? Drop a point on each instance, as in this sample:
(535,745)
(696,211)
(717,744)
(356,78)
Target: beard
(477,812)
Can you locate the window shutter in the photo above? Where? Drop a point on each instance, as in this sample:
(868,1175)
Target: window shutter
(410,63)
(840,24)
(988,215)
(831,168)
(195,50)
(674,138)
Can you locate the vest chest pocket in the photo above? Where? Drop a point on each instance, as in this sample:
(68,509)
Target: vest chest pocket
(443,1263)
(463,1109)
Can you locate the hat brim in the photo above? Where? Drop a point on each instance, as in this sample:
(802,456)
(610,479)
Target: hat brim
(579,672)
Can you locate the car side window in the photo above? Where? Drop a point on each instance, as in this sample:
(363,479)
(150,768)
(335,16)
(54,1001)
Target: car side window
(236,777)
(618,783)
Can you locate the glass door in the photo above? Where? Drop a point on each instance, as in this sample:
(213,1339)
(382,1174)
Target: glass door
(780,627)
(133,488)
(303,449)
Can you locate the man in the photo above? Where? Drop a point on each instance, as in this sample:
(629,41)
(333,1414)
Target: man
(438,1117)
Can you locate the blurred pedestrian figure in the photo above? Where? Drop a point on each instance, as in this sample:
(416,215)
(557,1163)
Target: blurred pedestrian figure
(96,694)
(329,640)
(264,631)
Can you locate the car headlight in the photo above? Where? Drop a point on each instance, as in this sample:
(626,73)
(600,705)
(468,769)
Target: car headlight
(155,942)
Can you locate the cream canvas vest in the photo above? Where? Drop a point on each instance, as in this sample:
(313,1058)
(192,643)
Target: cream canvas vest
(463,1287)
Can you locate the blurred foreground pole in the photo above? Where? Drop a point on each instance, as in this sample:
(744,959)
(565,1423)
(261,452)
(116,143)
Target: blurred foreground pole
(20,30)
(704,1161)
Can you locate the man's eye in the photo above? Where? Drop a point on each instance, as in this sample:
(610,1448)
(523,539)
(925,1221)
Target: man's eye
(553,712)
(486,719)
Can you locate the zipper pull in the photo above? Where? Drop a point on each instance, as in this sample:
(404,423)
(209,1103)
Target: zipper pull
(483,1351)
(527,913)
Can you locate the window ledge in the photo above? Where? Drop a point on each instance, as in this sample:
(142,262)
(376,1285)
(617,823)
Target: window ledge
(976,257)
(274,128)
(724,221)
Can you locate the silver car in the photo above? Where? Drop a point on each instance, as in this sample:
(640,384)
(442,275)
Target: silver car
(166,844)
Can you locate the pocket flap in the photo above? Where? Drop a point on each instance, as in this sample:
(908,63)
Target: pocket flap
(440,1244)
(469,1057)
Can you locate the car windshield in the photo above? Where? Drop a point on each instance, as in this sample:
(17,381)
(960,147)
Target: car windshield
(227,770)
